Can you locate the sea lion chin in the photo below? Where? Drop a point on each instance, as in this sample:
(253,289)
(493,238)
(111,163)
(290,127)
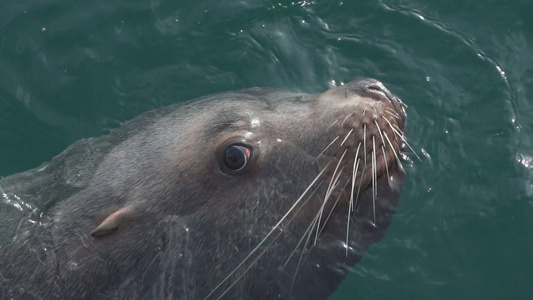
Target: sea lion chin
(253,194)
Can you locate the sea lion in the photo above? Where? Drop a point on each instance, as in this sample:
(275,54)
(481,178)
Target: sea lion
(254,194)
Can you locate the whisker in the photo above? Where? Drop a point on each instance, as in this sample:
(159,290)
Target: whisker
(385,158)
(350,132)
(395,129)
(247,269)
(391,110)
(334,205)
(382,147)
(344,121)
(312,225)
(397,133)
(412,150)
(364,142)
(350,205)
(333,124)
(314,220)
(356,162)
(374,177)
(395,115)
(269,233)
(394,152)
(364,167)
(315,224)
(360,181)
(309,234)
(320,154)
(332,183)
(402,138)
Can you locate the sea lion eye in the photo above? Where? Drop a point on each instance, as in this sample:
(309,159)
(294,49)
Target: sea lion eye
(236,157)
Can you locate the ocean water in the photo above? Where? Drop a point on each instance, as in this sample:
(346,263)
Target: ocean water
(463,228)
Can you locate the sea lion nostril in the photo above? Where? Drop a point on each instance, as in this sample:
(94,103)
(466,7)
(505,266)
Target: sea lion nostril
(375,87)
(369,87)
(378,91)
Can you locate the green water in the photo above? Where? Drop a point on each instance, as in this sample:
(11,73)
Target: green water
(463,230)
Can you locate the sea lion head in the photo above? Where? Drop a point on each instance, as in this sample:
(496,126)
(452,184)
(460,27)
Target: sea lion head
(312,162)
(253,194)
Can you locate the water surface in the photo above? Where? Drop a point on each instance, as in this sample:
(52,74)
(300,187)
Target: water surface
(70,70)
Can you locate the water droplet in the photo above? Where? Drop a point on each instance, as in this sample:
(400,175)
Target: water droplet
(73,266)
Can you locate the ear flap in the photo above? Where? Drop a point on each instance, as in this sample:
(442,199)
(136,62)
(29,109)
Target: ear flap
(115,220)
